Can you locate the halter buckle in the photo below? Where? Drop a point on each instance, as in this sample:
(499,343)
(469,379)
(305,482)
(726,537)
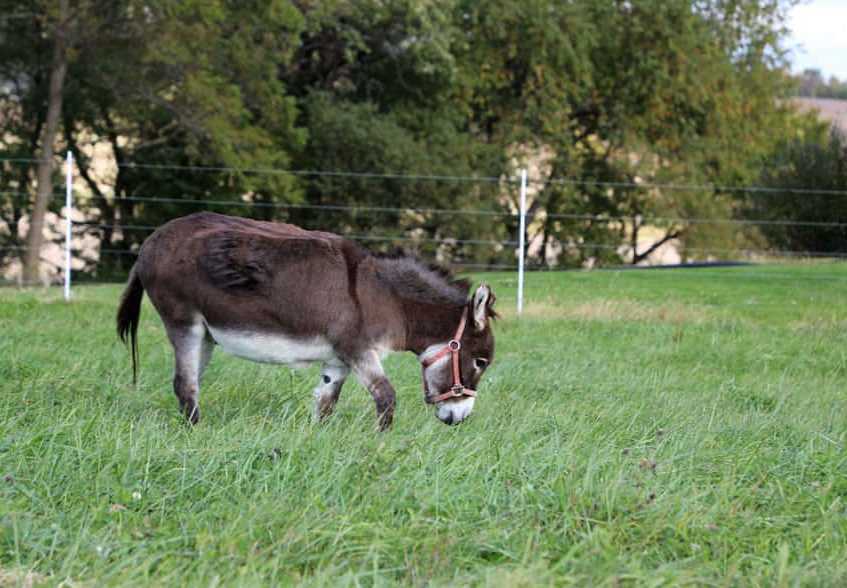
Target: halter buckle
(457,390)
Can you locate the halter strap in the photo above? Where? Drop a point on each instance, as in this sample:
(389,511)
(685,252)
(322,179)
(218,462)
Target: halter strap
(457,390)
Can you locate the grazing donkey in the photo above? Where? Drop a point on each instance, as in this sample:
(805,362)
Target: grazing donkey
(276,293)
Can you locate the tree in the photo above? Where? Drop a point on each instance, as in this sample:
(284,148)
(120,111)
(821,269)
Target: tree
(605,99)
(374,83)
(61,31)
(22,116)
(816,219)
(811,83)
(35,41)
(617,94)
(167,93)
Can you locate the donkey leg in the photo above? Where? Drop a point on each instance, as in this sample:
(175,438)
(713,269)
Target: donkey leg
(328,389)
(206,350)
(192,351)
(369,372)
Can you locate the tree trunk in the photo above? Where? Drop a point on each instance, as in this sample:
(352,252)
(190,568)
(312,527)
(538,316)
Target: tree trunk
(44,191)
(634,240)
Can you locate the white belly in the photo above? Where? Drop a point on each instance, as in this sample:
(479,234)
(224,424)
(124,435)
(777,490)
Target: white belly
(268,348)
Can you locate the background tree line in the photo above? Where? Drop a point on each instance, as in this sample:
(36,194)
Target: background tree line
(812,84)
(602,93)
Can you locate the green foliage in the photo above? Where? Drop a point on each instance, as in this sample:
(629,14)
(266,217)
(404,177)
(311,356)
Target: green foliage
(630,92)
(375,84)
(623,92)
(155,81)
(25,50)
(640,427)
(815,162)
(357,137)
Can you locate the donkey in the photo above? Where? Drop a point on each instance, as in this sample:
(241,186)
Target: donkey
(276,293)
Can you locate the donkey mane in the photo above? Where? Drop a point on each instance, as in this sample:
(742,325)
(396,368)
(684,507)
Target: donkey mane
(414,280)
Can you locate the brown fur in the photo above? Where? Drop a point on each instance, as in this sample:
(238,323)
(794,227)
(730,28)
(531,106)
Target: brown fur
(277,278)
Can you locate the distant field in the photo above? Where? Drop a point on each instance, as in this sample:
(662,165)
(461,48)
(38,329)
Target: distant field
(636,427)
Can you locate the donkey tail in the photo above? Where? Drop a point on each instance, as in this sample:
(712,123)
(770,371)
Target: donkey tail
(128,312)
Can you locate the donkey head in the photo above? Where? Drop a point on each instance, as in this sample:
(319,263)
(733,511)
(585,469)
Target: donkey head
(452,373)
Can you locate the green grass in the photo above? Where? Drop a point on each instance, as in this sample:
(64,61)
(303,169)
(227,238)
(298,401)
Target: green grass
(661,427)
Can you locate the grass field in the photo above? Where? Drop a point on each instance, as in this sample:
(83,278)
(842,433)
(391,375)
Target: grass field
(636,427)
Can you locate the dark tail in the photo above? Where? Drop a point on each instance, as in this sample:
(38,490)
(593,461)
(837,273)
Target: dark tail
(128,313)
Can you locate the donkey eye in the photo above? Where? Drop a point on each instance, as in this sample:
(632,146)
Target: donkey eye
(480,363)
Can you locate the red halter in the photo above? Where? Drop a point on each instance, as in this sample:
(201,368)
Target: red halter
(457,390)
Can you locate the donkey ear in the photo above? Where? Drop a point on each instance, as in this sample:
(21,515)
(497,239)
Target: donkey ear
(482,306)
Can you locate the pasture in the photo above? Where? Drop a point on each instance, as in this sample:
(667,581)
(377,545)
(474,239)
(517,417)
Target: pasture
(636,427)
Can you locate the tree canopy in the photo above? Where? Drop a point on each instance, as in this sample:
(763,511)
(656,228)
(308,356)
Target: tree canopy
(601,98)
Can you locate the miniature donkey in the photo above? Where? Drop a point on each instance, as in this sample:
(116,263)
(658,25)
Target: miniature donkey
(276,293)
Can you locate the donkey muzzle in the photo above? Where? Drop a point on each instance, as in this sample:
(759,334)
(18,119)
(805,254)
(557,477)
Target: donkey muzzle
(453,412)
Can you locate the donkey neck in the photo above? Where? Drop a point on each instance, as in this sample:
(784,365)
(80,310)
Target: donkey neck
(431,300)
(428,325)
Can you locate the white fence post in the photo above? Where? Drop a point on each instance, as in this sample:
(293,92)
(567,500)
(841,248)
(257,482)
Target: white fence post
(522,244)
(68,222)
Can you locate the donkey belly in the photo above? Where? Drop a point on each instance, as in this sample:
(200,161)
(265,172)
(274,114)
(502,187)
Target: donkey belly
(272,348)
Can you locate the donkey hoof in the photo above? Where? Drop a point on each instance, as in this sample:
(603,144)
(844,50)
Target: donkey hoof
(384,422)
(192,414)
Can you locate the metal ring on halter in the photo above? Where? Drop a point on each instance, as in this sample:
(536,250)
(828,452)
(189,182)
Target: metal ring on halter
(457,390)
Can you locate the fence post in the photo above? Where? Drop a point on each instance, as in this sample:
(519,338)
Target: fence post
(522,244)
(68,222)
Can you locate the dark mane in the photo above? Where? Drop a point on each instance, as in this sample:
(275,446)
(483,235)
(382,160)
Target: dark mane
(412,279)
